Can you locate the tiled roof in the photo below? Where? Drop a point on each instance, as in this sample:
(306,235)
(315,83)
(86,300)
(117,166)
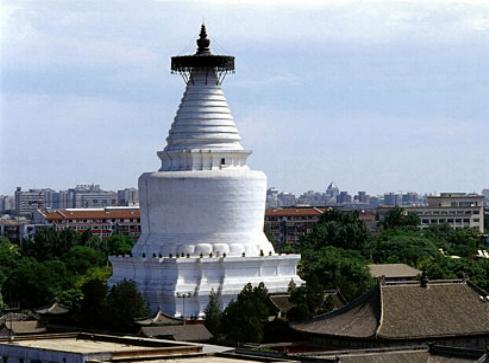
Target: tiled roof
(160,319)
(22,327)
(53,309)
(393,270)
(15,316)
(281,302)
(358,319)
(407,354)
(441,309)
(189,332)
(60,214)
(288,212)
(407,311)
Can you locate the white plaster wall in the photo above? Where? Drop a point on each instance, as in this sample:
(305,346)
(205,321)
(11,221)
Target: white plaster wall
(161,279)
(206,211)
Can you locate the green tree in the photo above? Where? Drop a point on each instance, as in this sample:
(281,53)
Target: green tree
(213,314)
(461,242)
(125,303)
(80,258)
(33,284)
(94,304)
(244,319)
(397,217)
(338,229)
(401,245)
(49,244)
(9,255)
(119,244)
(308,300)
(336,268)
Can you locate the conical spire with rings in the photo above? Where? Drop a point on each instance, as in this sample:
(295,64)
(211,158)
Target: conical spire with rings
(203,134)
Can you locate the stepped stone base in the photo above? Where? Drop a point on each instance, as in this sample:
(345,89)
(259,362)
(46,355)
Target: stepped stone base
(163,281)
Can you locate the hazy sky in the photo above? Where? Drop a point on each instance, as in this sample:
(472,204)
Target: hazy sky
(377,96)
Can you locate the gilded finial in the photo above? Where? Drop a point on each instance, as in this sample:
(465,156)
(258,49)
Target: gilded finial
(203,42)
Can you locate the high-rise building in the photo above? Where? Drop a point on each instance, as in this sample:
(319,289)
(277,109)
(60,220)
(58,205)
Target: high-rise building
(331,193)
(272,198)
(91,196)
(485,194)
(409,198)
(458,210)
(202,212)
(28,201)
(127,197)
(392,199)
(343,198)
(362,197)
(286,199)
(7,203)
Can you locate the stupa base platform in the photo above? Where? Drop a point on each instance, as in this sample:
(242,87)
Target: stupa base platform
(181,286)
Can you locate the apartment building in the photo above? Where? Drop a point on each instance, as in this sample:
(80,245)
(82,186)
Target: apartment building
(102,222)
(458,210)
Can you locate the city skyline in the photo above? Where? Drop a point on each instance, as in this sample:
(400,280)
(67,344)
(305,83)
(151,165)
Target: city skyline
(324,91)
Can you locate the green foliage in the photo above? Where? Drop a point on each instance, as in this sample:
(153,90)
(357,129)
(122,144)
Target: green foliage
(94,304)
(33,284)
(49,244)
(338,229)
(401,245)
(331,257)
(80,258)
(213,315)
(70,298)
(460,242)
(337,268)
(125,303)
(308,300)
(101,273)
(119,244)
(244,319)
(397,217)
(9,256)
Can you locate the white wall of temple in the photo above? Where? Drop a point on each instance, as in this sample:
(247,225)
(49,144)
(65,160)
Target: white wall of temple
(202,212)
(164,281)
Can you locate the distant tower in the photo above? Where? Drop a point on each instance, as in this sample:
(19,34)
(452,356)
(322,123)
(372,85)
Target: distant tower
(202,212)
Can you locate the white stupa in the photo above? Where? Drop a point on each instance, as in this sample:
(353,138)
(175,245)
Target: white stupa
(202,212)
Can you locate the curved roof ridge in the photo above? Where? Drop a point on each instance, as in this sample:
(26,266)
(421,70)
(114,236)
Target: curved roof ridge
(381,308)
(358,318)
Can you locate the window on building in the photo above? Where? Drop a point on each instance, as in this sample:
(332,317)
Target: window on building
(5,359)
(458,220)
(476,212)
(450,220)
(476,220)
(466,220)
(223,161)
(434,221)
(425,221)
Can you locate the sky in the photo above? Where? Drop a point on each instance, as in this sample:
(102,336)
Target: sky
(375,95)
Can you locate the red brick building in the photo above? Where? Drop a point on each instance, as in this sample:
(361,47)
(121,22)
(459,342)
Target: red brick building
(102,222)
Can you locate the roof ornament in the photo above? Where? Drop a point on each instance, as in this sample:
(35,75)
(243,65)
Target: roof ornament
(424,280)
(203,42)
(203,60)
